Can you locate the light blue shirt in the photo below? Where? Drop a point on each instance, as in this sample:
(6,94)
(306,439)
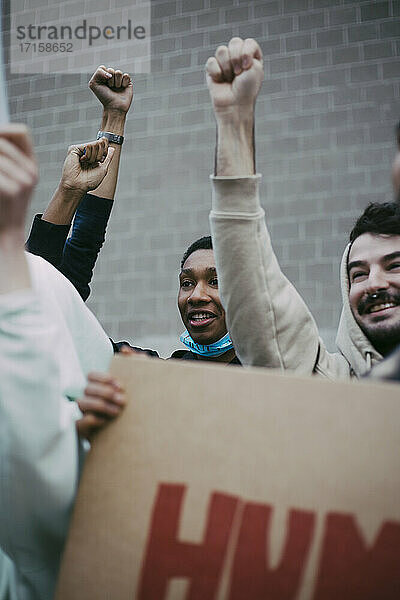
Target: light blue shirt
(49,340)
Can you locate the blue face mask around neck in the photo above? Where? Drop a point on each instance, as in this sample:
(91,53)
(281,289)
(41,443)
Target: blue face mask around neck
(215,349)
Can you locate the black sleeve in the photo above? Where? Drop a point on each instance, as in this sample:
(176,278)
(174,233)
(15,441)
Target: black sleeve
(88,235)
(47,240)
(118,345)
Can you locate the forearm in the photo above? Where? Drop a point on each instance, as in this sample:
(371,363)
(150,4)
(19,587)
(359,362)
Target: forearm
(113,122)
(63,205)
(235,155)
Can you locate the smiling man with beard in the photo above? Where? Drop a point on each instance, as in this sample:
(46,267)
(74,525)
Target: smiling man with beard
(374,275)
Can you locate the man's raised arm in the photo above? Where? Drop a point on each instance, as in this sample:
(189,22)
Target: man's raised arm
(268,321)
(76,257)
(114,90)
(85,167)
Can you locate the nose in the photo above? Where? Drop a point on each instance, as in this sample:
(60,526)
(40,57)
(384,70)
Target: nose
(199,294)
(377,281)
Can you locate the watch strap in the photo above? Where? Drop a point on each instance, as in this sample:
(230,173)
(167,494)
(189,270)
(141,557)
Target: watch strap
(112,137)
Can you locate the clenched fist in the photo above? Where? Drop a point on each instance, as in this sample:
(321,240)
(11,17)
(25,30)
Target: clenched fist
(234,76)
(86,166)
(113,88)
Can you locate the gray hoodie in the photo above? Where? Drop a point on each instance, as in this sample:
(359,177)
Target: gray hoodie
(352,343)
(269,323)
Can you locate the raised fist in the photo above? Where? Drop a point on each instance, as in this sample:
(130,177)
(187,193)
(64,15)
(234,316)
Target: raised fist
(113,88)
(234,75)
(86,166)
(18,175)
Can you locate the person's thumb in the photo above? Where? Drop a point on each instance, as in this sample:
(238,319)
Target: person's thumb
(108,158)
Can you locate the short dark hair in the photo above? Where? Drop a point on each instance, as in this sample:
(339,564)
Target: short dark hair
(378,217)
(203,243)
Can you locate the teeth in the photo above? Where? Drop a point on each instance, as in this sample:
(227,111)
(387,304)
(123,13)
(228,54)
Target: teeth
(200,316)
(381,307)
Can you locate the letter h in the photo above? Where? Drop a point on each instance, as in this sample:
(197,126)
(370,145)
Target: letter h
(167,558)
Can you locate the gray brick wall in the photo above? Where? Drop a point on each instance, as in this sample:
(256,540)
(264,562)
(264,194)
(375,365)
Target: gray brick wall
(325,142)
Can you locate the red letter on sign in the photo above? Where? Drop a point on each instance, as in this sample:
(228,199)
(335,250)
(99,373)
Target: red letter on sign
(251,577)
(351,571)
(166,557)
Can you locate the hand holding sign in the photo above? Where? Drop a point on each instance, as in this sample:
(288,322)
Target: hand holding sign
(103,400)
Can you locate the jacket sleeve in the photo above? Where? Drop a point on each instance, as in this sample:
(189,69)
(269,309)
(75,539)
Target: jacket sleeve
(268,321)
(39,449)
(88,235)
(47,240)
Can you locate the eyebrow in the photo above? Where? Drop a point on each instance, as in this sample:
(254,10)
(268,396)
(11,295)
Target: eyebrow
(363,263)
(356,263)
(190,271)
(392,255)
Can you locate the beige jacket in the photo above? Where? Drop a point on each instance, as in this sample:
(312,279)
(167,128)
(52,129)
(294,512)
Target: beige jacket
(269,323)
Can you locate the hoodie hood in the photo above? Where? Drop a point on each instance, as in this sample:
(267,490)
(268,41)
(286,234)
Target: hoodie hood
(351,341)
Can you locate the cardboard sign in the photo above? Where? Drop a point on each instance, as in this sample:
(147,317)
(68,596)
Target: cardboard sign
(239,484)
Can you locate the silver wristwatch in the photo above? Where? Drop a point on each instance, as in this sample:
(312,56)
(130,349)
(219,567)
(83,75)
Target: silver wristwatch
(112,137)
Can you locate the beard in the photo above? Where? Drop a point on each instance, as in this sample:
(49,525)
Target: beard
(383,335)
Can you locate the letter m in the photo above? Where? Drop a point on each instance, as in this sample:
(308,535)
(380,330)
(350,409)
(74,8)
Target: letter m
(166,557)
(349,570)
